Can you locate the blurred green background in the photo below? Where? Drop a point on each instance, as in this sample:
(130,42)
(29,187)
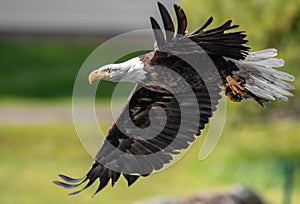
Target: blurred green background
(257,145)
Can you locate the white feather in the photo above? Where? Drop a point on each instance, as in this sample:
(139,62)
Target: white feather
(260,92)
(261,78)
(271,79)
(133,70)
(262,54)
(267,63)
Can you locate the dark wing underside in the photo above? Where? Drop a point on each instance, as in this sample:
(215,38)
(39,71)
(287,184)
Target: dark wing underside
(138,151)
(215,41)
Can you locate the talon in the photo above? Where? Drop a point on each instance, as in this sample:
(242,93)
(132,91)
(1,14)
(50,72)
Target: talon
(235,86)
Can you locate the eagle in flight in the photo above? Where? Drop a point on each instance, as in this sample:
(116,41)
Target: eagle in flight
(183,70)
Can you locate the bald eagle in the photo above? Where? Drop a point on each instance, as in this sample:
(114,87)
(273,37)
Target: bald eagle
(133,150)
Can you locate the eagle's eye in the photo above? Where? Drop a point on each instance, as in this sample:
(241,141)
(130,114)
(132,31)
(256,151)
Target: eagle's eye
(108,70)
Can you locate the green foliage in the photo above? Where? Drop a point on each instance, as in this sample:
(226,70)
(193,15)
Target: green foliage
(39,68)
(42,68)
(47,67)
(268,23)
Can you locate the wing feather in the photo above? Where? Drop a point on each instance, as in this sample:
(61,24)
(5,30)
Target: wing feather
(158,34)
(205,25)
(181,20)
(167,21)
(216,41)
(134,157)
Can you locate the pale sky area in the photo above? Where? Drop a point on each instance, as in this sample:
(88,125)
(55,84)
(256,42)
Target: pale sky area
(77,16)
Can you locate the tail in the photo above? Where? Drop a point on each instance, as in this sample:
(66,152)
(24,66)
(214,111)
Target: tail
(261,81)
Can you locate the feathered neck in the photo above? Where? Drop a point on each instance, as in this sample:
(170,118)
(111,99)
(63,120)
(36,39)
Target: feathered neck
(129,71)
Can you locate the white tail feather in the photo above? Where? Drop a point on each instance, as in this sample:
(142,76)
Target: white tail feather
(261,78)
(262,54)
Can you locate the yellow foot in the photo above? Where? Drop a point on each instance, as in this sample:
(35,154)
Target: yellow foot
(235,87)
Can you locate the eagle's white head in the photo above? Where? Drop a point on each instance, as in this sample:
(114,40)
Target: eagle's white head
(129,71)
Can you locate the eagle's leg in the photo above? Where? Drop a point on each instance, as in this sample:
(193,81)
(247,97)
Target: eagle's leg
(233,88)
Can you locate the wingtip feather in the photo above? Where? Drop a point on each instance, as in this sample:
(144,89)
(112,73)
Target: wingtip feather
(65,185)
(69,179)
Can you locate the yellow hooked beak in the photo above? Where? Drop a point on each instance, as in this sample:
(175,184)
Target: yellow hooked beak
(98,75)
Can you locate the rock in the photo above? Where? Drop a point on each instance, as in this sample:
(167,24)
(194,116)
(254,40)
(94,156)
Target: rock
(234,195)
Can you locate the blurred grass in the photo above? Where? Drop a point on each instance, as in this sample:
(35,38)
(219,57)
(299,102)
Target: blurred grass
(253,155)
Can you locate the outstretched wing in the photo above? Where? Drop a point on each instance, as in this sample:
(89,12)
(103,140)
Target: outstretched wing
(215,41)
(136,151)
